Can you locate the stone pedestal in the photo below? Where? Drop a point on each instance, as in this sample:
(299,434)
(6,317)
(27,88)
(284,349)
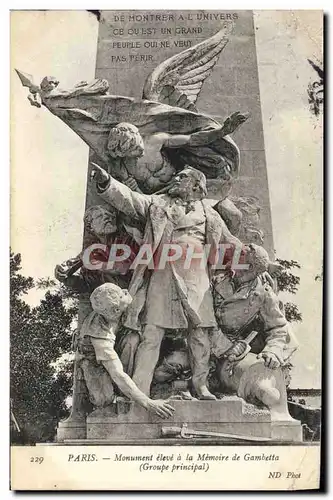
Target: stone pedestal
(75,427)
(72,428)
(230,415)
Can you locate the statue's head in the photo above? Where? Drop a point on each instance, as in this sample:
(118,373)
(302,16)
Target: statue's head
(49,83)
(110,300)
(257,258)
(258,262)
(189,184)
(125,141)
(99,221)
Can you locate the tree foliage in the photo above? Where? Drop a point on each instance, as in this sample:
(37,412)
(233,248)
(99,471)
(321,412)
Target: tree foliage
(39,337)
(292,313)
(289,282)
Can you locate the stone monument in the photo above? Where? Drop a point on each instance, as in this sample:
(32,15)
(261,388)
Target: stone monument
(177,164)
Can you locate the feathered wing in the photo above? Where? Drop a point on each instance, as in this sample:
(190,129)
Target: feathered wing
(178,80)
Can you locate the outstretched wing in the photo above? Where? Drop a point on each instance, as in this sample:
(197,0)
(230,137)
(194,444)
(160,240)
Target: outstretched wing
(178,80)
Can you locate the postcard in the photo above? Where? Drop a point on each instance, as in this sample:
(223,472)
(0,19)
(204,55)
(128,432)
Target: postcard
(166,249)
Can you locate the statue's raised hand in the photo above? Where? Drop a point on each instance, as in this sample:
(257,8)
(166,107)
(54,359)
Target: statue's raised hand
(65,269)
(98,174)
(60,273)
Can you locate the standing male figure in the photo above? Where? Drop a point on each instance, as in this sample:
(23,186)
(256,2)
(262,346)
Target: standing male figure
(175,296)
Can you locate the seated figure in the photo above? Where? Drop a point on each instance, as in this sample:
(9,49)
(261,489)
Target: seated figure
(249,314)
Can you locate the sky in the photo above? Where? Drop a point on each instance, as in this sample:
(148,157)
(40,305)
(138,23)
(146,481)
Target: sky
(294,156)
(49,162)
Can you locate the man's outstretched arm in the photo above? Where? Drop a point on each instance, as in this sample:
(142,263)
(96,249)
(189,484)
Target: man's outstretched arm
(204,137)
(129,388)
(130,203)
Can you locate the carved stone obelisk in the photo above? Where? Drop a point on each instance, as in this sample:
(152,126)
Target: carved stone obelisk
(132,43)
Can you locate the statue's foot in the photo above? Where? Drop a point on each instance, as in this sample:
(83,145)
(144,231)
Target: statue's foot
(182,396)
(187,396)
(203,393)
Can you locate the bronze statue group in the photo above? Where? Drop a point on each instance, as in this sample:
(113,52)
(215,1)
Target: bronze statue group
(152,333)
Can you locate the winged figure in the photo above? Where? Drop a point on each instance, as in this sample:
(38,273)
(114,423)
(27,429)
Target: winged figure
(148,140)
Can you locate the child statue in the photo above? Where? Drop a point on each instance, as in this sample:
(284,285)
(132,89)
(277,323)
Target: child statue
(99,331)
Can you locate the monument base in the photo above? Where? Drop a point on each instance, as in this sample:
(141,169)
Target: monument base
(230,419)
(71,429)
